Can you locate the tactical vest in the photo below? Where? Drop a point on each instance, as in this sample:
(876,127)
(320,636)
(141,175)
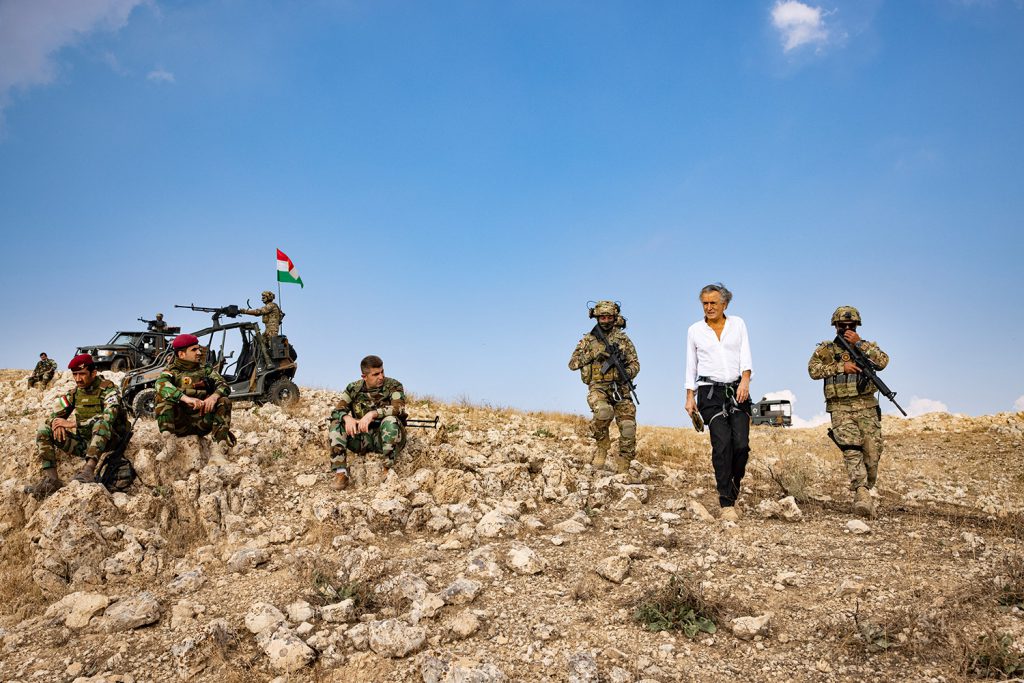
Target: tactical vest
(88,406)
(591,372)
(847,384)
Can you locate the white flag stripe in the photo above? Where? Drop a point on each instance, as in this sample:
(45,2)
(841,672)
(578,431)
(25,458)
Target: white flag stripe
(282,266)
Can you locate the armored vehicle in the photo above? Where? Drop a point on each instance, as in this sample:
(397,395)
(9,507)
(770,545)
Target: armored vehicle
(256,369)
(129,350)
(777,413)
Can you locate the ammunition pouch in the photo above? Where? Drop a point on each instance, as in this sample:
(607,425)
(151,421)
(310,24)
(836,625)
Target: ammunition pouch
(848,385)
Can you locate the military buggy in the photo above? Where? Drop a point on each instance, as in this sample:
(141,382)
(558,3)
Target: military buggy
(777,413)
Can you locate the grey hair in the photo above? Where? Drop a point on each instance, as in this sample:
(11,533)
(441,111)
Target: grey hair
(716,287)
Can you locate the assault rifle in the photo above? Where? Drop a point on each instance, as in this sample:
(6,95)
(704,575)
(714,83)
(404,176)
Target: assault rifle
(115,471)
(230,311)
(867,368)
(614,360)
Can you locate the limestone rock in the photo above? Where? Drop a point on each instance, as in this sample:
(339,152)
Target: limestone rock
(614,568)
(583,668)
(462,591)
(285,650)
(699,512)
(464,624)
(299,611)
(745,628)
(187,582)
(340,612)
(262,616)
(77,609)
(247,558)
(855,526)
(523,560)
(132,612)
(392,638)
(496,523)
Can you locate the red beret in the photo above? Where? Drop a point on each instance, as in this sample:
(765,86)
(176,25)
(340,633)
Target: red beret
(183,341)
(80,360)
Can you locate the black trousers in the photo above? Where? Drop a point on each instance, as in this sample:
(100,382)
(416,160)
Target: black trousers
(730,440)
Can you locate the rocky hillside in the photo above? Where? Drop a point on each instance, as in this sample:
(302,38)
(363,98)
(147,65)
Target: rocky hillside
(493,553)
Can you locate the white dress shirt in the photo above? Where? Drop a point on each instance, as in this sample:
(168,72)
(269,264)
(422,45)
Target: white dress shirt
(720,360)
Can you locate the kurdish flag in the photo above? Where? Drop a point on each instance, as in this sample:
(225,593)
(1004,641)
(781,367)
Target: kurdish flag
(286,270)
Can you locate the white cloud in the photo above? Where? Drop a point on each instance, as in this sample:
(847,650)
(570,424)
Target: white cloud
(160,76)
(799,24)
(920,406)
(1018,405)
(798,422)
(33,31)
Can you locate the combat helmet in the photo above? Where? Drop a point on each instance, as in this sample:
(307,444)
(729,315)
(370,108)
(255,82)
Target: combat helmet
(604,307)
(846,314)
(267,295)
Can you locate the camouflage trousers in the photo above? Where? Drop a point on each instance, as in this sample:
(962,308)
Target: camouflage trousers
(85,443)
(180,420)
(858,433)
(42,379)
(602,402)
(386,437)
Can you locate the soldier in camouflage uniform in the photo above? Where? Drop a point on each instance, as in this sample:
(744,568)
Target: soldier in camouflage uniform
(369,417)
(43,372)
(158,325)
(607,397)
(192,399)
(851,401)
(98,425)
(271,312)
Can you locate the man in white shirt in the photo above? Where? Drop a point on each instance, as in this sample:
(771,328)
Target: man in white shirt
(718,372)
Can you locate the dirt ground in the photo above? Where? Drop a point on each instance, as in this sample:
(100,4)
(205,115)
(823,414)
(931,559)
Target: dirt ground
(564,559)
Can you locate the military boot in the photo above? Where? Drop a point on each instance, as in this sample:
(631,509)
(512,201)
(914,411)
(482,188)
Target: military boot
(862,503)
(219,453)
(87,475)
(170,449)
(618,464)
(341,480)
(48,484)
(601,454)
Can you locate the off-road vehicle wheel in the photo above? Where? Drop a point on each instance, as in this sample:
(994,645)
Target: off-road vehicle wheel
(120,364)
(282,392)
(144,403)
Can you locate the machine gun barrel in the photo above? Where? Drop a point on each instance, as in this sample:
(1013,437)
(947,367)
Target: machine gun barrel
(230,311)
(868,368)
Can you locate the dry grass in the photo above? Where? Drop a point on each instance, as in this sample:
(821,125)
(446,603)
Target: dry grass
(993,655)
(679,606)
(19,594)
(589,586)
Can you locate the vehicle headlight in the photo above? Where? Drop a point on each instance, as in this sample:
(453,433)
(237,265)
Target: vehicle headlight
(105,352)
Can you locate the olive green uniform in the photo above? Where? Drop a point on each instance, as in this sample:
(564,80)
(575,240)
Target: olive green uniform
(386,434)
(187,378)
(100,423)
(43,372)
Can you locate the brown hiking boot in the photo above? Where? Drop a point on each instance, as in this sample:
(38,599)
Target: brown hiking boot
(87,475)
(599,457)
(729,514)
(340,482)
(862,503)
(47,485)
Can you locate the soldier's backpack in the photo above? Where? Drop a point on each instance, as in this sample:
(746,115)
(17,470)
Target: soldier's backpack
(116,472)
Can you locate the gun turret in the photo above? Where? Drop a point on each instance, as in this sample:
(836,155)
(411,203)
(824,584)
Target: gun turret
(229,311)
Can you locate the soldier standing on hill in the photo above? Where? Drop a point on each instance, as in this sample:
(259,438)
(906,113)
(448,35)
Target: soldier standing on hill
(368,418)
(157,325)
(43,372)
(271,312)
(192,399)
(607,395)
(98,425)
(852,403)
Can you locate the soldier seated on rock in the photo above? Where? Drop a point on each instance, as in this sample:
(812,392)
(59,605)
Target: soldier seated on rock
(43,372)
(99,425)
(368,418)
(192,399)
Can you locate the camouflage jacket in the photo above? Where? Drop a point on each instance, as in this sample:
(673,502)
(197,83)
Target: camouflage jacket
(45,366)
(590,355)
(850,391)
(185,378)
(272,313)
(357,401)
(98,402)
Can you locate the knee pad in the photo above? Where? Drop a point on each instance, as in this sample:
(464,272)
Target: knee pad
(603,412)
(627,429)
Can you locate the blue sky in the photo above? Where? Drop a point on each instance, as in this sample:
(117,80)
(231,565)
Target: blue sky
(455,180)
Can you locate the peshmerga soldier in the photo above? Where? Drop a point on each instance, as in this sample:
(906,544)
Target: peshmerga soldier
(608,397)
(851,401)
(158,325)
(368,418)
(271,312)
(98,425)
(43,372)
(192,398)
